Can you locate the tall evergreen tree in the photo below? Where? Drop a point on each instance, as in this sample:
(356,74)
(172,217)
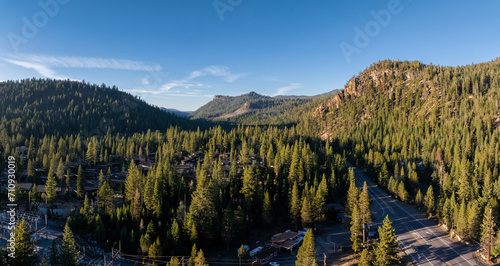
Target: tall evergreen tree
(429,200)
(80,183)
(155,249)
(364,209)
(200,259)
(386,252)
(25,254)
(352,196)
(306,256)
(54,254)
(364,260)
(356,229)
(68,254)
(267,209)
(50,187)
(295,205)
(306,211)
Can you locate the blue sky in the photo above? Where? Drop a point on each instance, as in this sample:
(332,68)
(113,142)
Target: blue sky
(179,54)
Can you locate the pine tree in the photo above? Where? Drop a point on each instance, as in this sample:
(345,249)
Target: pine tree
(155,249)
(267,209)
(80,183)
(174,262)
(242,252)
(145,243)
(473,222)
(54,253)
(31,168)
(25,254)
(227,226)
(356,229)
(68,254)
(306,256)
(364,209)
(61,169)
(485,227)
(295,205)
(106,197)
(34,192)
(50,187)
(194,253)
(176,233)
(386,252)
(200,259)
(320,199)
(419,198)
(306,211)
(133,183)
(248,189)
(429,200)
(136,213)
(352,196)
(364,260)
(202,212)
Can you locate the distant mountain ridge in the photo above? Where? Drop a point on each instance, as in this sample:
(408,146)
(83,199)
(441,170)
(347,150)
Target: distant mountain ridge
(176,112)
(254,108)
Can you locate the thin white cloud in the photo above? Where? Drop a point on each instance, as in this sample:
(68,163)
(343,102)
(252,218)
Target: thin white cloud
(185,87)
(145,80)
(40,68)
(290,87)
(166,89)
(89,62)
(218,71)
(45,64)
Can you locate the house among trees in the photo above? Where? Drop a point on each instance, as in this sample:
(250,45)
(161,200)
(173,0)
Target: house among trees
(25,186)
(288,240)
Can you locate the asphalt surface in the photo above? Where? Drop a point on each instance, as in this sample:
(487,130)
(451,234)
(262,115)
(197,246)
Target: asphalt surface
(421,238)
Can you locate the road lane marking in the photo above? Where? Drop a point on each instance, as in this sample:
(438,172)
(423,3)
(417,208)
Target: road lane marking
(426,258)
(369,182)
(434,234)
(418,234)
(427,247)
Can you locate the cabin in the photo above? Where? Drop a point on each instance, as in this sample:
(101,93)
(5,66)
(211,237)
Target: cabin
(288,240)
(25,186)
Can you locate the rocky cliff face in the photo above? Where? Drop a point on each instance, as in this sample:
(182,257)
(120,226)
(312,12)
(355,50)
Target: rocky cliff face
(376,76)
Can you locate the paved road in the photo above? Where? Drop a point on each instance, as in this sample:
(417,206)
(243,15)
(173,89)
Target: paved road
(414,229)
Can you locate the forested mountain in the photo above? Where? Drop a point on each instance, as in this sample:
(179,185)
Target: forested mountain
(161,191)
(412,125)
(38,107)
(256,109)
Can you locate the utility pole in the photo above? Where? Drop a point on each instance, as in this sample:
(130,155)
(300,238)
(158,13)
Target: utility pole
(489,238)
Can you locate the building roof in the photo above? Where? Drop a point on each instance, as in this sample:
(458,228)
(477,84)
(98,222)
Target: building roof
(280,238)
(266,253)
(24,186)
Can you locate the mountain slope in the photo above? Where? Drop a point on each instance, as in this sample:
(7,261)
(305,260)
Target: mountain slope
(43,106)
(256,109)
(412,125)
